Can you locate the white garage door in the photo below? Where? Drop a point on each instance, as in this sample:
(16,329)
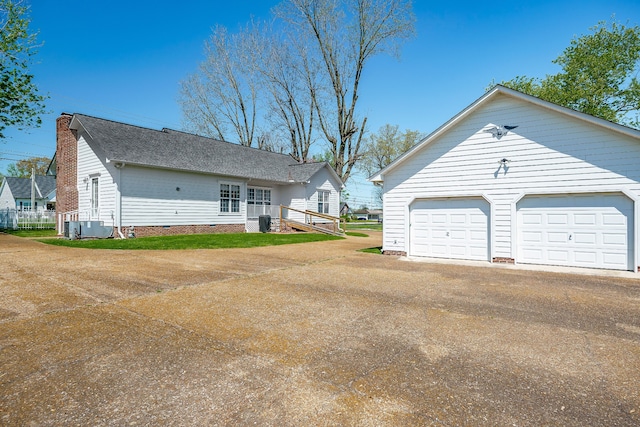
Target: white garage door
(450,228)
(581,231)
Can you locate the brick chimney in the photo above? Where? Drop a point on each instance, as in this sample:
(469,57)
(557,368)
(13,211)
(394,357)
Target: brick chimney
(66,167)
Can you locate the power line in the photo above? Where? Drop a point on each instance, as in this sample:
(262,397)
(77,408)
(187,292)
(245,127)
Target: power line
(20,153)
(118,112)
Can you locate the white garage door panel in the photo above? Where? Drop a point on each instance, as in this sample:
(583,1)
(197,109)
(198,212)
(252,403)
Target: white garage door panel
(452,228)
(583,231)
(558,256)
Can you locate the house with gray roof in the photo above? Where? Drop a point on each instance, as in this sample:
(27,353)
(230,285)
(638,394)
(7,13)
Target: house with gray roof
(15,193)
(172,182)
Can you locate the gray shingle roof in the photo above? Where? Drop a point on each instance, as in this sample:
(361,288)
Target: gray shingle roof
(171,149)
(21,187)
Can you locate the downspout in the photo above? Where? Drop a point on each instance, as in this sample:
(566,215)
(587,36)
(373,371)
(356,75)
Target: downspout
(119,166)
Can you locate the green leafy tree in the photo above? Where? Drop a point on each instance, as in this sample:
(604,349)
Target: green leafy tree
(598,77)
(20,103)
(325,156)
(22,168)
(385,146)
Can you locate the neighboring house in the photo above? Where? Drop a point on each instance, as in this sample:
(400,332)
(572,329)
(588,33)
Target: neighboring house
(344,209)
(170,182)
(15,193)
(368,214)
(516,179)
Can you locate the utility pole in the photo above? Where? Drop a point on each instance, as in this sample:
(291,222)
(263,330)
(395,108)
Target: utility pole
(33,188)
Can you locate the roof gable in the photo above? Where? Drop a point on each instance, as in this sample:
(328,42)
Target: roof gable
(21,187)
(488,98)
(169,149)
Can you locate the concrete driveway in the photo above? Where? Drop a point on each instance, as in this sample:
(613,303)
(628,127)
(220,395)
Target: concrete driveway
(312,334)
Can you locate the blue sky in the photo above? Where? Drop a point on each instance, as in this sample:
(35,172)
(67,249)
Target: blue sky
(123,60)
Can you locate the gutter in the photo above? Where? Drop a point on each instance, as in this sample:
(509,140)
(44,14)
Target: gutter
(118,218)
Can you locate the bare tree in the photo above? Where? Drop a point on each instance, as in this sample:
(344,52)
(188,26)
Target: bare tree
(289,81)
(343,36)
(223,93)
(301,73)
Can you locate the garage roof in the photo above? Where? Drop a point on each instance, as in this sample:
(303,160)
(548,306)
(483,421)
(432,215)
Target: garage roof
(497,90)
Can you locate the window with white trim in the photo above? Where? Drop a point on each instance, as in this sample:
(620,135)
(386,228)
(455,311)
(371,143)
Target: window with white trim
(258,196)
(323,201)
(229,198)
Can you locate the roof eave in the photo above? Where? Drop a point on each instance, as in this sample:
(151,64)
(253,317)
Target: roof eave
(124,163)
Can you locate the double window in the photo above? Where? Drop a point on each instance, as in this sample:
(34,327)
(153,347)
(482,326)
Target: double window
(258,196)
(323,201)
(229,198)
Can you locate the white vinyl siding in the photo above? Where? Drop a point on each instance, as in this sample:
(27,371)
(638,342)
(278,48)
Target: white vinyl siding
(160,197)
(6,197)
(91,167)
(295,196)
(321,182)
(156,197)
(304,196)
(549,153)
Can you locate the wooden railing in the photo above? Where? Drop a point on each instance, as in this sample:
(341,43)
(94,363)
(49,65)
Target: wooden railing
(308,224)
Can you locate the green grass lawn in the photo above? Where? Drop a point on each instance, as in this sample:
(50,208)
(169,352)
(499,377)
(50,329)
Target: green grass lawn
(195,241)
(356,234)
(375,226)
(42,232)
(376,250)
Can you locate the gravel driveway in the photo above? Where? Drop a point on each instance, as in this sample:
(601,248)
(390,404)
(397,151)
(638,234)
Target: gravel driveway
(311,334)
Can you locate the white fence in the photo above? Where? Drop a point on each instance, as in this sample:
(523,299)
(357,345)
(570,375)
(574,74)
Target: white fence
(14,219)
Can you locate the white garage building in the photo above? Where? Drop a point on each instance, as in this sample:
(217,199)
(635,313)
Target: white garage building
(516,179)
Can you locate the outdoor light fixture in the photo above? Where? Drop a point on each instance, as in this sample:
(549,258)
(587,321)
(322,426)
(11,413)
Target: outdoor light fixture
(499,131)
(504,162)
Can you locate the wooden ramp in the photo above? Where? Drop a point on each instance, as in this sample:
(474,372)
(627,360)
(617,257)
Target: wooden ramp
(310,227)
(309,222)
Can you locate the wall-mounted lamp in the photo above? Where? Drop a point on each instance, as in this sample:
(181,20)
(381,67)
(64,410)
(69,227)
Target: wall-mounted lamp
(504,161)
(499,131)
